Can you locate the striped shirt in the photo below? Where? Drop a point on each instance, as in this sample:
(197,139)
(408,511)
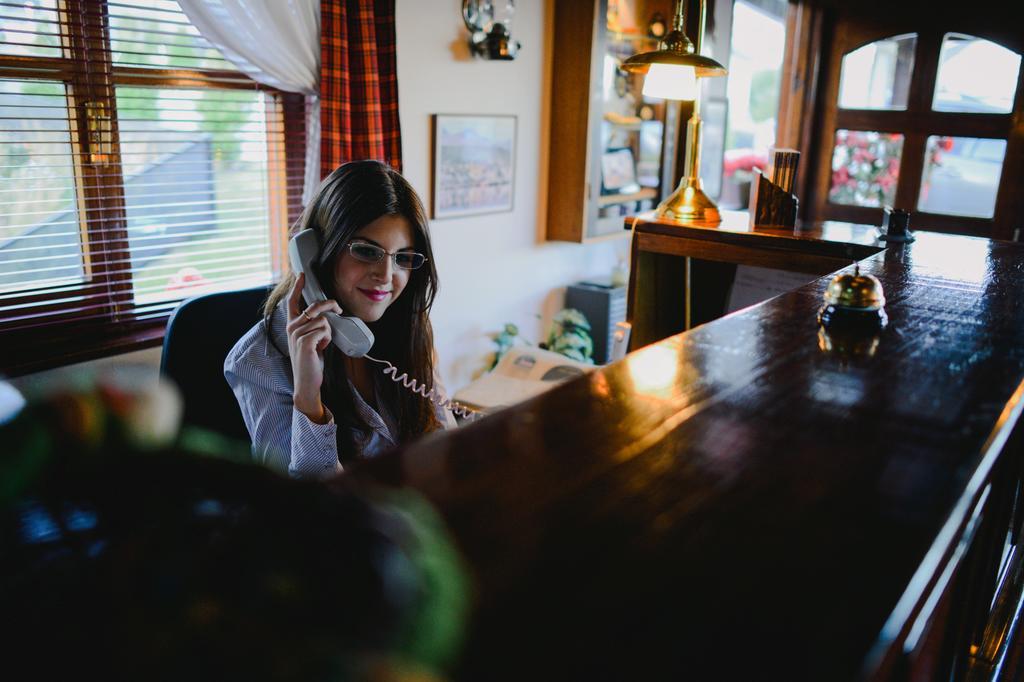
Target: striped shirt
(284,438)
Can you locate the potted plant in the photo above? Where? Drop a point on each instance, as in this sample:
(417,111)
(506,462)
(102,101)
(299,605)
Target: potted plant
(569,335)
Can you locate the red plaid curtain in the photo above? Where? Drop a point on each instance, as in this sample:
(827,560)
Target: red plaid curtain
(358,83)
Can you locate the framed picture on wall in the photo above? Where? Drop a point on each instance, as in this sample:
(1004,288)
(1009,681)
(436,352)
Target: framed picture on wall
(473,164)
(618,172)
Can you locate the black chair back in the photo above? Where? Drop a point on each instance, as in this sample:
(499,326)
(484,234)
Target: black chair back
(199,335)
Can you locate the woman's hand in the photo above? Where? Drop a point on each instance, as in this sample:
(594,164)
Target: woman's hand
(309,334)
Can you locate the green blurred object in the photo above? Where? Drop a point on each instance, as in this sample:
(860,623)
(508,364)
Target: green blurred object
(570,336)
(433,633)
(142,552)
(505,339)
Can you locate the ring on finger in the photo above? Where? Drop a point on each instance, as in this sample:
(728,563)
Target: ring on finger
(306,315)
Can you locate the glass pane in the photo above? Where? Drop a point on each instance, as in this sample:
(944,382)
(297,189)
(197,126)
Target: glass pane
(195,170)
(632,124)
(975,75)
(40,241)
(877,76)
(30,31)
(755,71)
(865,168)
(159,35)
(961,176)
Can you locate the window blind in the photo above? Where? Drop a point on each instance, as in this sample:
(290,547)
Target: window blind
(138,167)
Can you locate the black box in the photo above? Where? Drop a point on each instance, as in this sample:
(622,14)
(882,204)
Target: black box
(603,305)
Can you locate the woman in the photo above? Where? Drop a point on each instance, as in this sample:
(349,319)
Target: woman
(308,407)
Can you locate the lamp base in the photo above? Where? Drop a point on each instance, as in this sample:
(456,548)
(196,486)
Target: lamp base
(689,205)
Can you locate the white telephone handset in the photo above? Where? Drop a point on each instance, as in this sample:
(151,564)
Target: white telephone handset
(350,334)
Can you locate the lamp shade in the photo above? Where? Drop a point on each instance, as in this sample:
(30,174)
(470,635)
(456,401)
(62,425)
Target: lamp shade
(672,72)
(671,81)
(676,49)
(704,67)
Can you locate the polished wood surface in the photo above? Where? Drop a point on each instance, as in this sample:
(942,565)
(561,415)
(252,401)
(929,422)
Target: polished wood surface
(736,502)
(673,267)
(567,213)
(847,241)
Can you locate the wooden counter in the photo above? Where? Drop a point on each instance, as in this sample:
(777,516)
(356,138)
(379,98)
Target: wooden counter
(739,502)
(680,276)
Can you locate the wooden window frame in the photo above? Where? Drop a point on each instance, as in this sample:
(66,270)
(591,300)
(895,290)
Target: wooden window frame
(810,115)
(89,75)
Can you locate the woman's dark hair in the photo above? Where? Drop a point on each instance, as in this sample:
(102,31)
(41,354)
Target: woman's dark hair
(349,199)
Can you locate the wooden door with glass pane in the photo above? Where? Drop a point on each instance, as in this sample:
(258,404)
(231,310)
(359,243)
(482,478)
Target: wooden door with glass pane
(921,118)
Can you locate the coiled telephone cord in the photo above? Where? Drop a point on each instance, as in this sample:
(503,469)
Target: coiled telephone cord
(416,387)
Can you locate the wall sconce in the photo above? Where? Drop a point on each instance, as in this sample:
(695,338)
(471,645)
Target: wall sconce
(673,72)
(490,23)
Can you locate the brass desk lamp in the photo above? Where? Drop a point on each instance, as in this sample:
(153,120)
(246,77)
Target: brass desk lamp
(672,72)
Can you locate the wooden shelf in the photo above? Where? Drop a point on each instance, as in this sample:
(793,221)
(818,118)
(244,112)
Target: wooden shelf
(579,123)
(633,123)
(621,37)
(609,199)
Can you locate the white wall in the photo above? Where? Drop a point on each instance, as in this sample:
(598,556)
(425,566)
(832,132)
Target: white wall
(494,268)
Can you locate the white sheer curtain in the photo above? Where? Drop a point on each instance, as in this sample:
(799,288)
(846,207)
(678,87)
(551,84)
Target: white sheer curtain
(274,42)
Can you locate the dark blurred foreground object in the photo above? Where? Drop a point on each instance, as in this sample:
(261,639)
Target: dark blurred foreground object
(122,558)
(199,335)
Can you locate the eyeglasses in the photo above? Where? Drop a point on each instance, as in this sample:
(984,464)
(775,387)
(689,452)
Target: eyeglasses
(371,253)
